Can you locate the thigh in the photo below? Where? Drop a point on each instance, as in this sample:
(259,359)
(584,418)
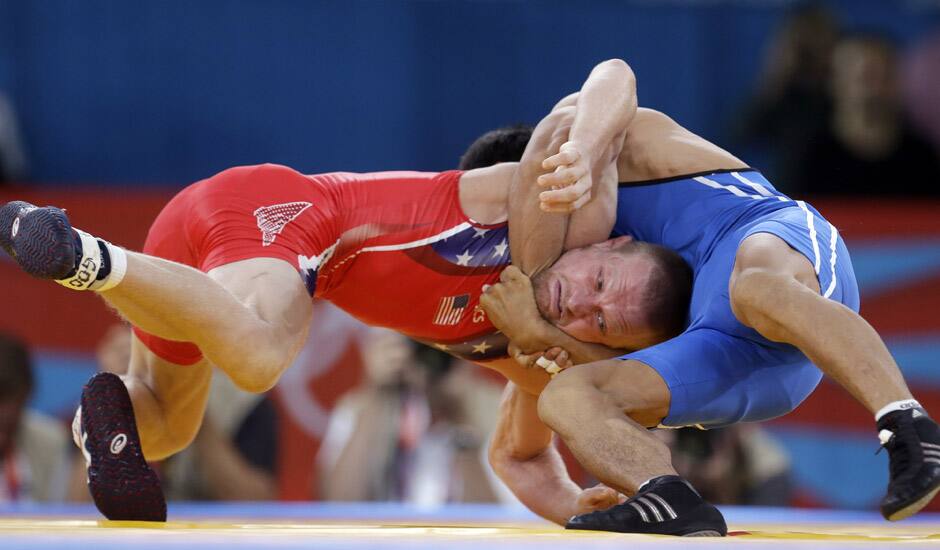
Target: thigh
(799,243)
(716,379)
(635,388)
(770,252)
(274,291)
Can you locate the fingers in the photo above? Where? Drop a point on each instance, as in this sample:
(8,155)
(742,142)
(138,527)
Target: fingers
(550,367)
(568,194)
(511,278)
(526,360)
(562,177)
(552,353)
(511,273)
(567,155)
(599,497)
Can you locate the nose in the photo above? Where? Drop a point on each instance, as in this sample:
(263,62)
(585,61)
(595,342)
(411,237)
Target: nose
(580,303)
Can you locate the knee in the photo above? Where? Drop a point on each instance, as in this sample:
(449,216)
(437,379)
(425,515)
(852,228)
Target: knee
(254,358)
(559,401)
(756,293)
(259,369)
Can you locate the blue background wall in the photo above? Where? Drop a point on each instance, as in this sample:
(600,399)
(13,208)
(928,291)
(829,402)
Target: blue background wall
(168,92)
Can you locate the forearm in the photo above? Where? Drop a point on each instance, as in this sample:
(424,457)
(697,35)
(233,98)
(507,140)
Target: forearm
(583,352)
(546,336)
(606,106)
(523,456)
(536,237)
(542,484)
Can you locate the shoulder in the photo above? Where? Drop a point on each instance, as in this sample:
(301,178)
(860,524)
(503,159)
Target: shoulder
(656,146)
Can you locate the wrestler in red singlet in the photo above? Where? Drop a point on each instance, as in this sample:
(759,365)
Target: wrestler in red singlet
(394,249)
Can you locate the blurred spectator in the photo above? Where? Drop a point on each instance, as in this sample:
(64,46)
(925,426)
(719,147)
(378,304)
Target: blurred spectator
(868,147)
(234,456)
(739,464)
(404,435)
(500,145)
(33,448)
(921,85)
(792,99)
(12,158)
(327,367)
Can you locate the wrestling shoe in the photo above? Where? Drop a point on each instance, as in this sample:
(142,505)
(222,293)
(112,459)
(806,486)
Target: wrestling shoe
(40,239)
(913,442)
(120,481)
(666,505)
(45,245)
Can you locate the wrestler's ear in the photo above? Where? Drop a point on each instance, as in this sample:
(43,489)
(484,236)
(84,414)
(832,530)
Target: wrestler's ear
(613,244)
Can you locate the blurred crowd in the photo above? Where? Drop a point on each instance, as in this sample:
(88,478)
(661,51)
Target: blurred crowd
(842,112)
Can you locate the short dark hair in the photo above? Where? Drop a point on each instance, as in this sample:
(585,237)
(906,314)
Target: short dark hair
(669,291)
(16,373)
(501,145)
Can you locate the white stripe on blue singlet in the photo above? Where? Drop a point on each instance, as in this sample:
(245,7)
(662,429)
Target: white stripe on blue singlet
(734,190)
(758,187)
(812,234)
(833,236)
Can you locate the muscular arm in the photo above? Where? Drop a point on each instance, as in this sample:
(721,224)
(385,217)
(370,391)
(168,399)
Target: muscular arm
(605,107)
(522,455)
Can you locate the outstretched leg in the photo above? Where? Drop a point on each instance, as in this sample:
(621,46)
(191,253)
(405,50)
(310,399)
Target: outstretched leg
(249,318)
(774,289)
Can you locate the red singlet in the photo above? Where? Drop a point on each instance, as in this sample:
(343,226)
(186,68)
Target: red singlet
(394,249)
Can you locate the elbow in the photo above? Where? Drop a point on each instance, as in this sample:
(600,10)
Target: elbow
(500,461)
(618,68)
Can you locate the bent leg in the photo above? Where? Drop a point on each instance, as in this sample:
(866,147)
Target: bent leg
(169,400)
(249,318)
(774,290)
(602,410)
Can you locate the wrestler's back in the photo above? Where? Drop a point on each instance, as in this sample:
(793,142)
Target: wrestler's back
(407,257)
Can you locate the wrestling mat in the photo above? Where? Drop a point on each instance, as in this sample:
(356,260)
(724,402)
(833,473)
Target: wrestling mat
(355,526)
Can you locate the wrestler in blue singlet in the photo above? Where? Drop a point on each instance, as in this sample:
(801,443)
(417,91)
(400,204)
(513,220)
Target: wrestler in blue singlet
(720,371)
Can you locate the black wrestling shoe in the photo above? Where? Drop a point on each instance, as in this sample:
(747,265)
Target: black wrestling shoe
(40,239)
(913,442)
(666,505)
(122,484)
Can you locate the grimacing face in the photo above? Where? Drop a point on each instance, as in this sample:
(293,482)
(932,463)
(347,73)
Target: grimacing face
(596,294)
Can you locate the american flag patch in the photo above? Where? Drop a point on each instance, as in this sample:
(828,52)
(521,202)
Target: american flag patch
(450,309)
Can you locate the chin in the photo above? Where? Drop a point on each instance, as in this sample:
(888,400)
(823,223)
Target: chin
(543,296)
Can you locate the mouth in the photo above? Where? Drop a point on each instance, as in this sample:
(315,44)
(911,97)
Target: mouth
(556,302)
